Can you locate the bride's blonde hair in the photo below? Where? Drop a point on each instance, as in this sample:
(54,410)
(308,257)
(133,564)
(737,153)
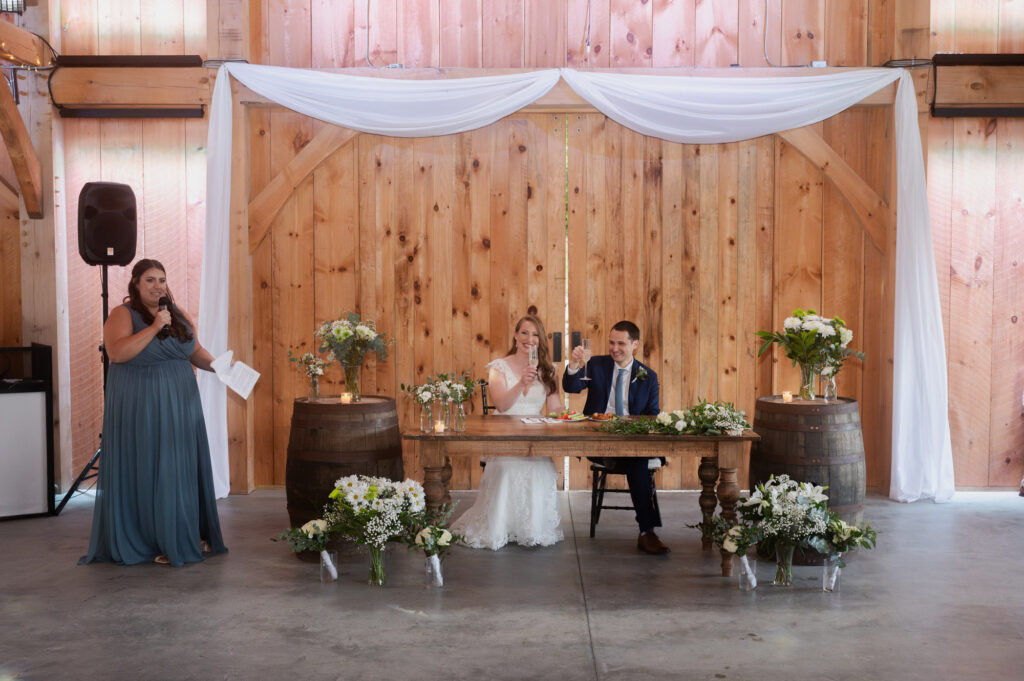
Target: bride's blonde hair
(545,368)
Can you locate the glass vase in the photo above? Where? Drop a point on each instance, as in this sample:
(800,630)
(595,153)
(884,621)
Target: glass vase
(328,566)
(830,572)
(829,391)
(783,565)
(434,578)
(808,377)
(746,572)
(377,576)
(426,418)
(459,418)
(352,380)
(314,388)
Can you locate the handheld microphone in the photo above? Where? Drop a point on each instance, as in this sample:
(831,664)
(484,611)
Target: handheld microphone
(164,303)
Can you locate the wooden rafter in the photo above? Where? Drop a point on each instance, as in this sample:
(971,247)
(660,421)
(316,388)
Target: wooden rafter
(265,207)
(9,201)
(874,214)
(23,155)
(20,47)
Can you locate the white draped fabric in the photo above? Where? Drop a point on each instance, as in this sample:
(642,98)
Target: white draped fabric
(680,109)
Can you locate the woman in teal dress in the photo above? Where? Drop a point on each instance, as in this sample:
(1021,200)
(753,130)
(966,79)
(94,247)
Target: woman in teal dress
(155,499)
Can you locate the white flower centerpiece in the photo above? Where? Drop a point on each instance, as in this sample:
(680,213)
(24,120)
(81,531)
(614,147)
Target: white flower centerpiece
(787,514)
(704,418)
(348,340)
(818,344)
(443,398)
(372,511)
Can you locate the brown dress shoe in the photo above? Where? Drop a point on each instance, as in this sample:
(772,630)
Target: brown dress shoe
(649,543)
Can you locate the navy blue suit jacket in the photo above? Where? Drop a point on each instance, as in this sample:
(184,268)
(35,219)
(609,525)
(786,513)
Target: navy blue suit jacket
(643,394)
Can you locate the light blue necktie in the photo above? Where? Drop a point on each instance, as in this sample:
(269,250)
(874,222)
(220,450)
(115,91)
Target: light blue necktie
(620,378)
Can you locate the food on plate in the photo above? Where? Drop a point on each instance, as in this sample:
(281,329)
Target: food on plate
(602,417)
(566,415)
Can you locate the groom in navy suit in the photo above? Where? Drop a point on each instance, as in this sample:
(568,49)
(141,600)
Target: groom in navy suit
(620,384)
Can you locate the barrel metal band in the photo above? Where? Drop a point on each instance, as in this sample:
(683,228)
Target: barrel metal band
(808,428)
(812,460)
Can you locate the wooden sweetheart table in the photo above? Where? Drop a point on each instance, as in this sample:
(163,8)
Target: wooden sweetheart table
(720,456)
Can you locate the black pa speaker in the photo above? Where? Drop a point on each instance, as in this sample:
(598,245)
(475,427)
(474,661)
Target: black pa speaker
(106,223)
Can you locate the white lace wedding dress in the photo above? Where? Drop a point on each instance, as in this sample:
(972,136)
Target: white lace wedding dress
(518,497)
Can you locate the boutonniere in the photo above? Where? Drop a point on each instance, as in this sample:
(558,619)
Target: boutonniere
(641,375)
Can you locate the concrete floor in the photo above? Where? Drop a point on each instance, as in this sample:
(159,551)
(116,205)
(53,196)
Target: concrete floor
(941,598)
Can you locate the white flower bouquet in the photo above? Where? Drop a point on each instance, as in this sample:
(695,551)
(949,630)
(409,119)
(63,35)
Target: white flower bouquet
(818,344)
(735,538)
(313,536)
(372,511)
(349,339)
(787,514)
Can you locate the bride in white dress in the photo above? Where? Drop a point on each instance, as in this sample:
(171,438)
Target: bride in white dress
(518,497)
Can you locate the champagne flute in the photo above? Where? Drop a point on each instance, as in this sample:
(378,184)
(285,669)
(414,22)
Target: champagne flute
(534,359)
(586,358)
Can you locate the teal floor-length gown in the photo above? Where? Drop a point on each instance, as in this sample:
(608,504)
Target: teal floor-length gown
(155,490)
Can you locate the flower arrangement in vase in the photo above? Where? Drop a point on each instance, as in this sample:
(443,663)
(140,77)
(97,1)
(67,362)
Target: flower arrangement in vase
(817,344)
(786,514)
(372,511)
(445,394)
(840,537)
(313,536)
(348,340)
(433,537)
(313,368)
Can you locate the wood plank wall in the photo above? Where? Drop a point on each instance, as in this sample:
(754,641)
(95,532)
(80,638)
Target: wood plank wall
(977,208)
(529,33)
(162,160)
(444,242)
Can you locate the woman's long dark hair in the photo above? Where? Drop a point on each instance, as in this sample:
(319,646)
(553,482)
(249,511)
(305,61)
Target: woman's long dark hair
(178,329)
(545,368)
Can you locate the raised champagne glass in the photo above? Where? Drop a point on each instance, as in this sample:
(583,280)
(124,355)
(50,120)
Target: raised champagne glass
(587,352)
(534,360)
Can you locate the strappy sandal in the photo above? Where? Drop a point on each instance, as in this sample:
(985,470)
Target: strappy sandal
(162,560)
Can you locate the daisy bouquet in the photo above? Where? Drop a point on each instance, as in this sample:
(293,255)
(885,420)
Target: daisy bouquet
(372,511)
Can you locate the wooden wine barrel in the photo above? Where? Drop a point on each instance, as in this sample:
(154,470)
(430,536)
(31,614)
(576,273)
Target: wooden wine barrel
(330,440)
(812,441)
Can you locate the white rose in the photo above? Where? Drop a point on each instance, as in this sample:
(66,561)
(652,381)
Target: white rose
(845,336)
(423,537)
(664,418)
(445,539)
(680,425)
(828,370)
(314,527)
(729,545)
(679,413)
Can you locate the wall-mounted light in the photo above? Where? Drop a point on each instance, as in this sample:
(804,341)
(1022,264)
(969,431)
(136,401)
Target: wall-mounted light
(14,6)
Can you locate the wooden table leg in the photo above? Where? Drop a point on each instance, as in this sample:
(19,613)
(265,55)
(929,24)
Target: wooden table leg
(708,474)
(728,495)
(437,473)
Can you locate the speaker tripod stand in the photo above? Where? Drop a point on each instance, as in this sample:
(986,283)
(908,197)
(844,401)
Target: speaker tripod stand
(92,469)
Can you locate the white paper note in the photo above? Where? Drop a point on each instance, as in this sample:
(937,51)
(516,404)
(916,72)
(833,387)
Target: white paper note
(239,376)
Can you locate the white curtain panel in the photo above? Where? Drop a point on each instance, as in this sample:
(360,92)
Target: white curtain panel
(709,110)
(681,109)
